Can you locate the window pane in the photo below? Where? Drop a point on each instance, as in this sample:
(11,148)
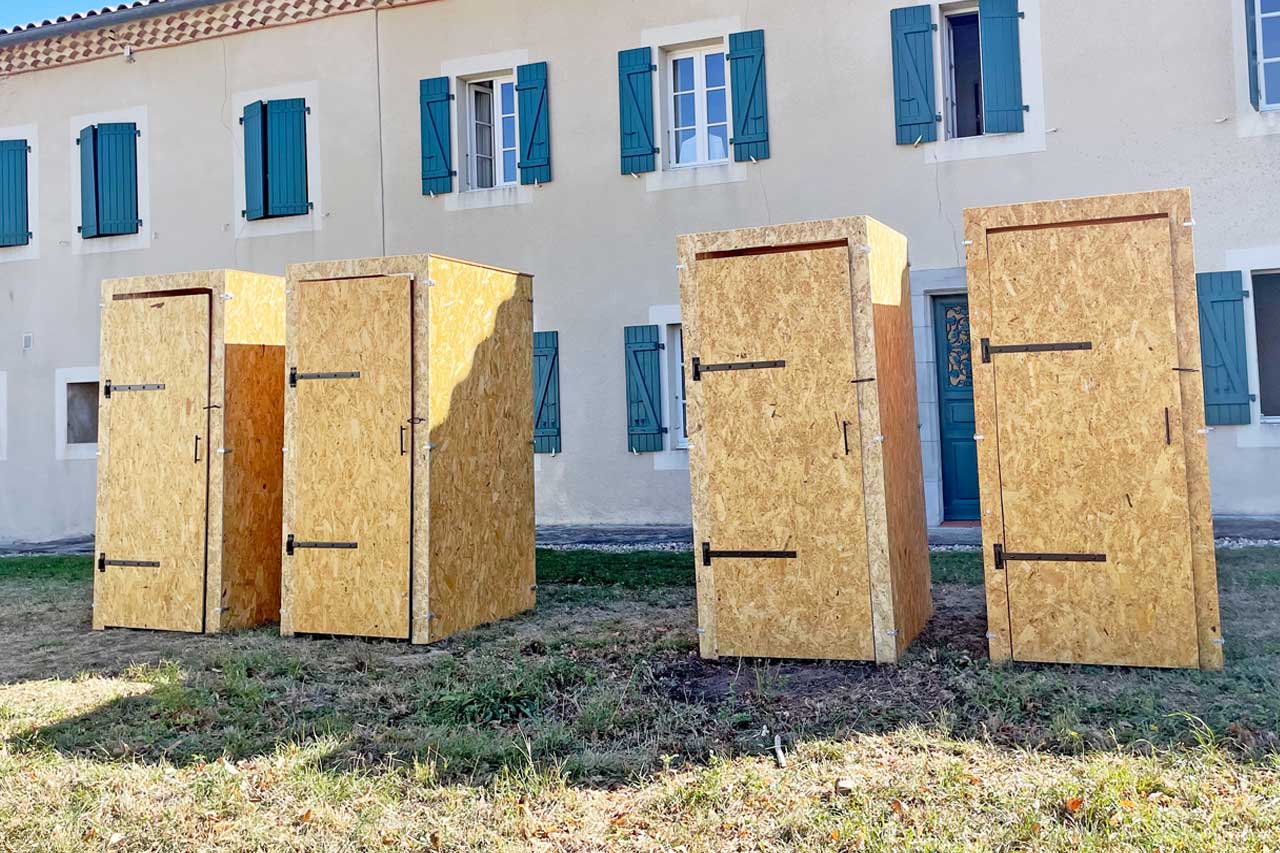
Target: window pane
(484,172)
(484,142)
(82,412)
(715,107)
(686,146)
(1271,72)
(684,111)
(484,106)
(508,99)
(509,165)
(1270,6)
(682,74)
(509,132)
(1271,38)
(1266,306)
(718,142)
(715,68)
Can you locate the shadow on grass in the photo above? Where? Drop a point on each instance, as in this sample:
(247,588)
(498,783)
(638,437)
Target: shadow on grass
(603,684)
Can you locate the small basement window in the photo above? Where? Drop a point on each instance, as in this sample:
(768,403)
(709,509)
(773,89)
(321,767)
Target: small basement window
(491,133)
(82,413)
(1266,320)
(962,45)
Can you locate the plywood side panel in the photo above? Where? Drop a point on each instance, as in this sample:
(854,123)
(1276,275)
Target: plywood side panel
(481,501)
(254,427)
(895,387)
(255,309)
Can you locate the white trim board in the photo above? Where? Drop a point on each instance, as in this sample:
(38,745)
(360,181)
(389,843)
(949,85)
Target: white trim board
(671,457)
(31,251)
(4,416)
(1249,122)
(62,377)
(122,242)
(309,91)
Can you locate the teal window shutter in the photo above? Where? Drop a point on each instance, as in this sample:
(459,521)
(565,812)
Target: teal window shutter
(914,105)
(535,123)
(286,157)
(644,396)
(1251,54)
(750,101)
(255,160)
(1002,105)
(1220,298)
(635,110)
(88,143)
(436,121)
(14,224)
(546,392)
(117,156)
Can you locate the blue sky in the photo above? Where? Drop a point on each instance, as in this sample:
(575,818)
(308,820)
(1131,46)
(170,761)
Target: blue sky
(24,11)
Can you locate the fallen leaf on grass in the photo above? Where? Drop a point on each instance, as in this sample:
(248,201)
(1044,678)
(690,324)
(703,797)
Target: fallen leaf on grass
(304,816)
(899,809)
(1073,805)
(1128,804)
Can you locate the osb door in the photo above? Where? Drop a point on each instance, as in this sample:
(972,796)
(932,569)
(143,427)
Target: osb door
(353,381)
(151,559)
(1096,545)
(787,537)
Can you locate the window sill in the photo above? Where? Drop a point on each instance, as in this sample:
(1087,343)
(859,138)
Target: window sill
(986,145)
(79,451)
(683,177)
(506,196)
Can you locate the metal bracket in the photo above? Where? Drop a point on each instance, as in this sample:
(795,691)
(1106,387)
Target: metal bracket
(708,554)
(294,375)
(989,350)
(291,545)
(1004,557)
(108,388)
(699,368)
(103,562)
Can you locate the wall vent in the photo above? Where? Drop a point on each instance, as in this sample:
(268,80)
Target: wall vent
(28,341)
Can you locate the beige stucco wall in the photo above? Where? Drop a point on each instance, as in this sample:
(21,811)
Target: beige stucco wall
(1126,114)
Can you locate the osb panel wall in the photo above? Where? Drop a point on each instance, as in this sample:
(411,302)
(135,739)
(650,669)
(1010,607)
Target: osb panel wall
(481,431)
(253,408)
(873,559)
(1168,213)
(350,468)
(254,309)
(171,30)
(895,387)
(135,481)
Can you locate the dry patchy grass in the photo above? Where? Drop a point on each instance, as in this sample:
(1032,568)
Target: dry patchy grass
(592,724)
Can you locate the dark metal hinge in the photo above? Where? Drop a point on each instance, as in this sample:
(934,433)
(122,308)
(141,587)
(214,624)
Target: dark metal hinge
(291,545)
(699,368)
(989,349)
(106,389)
(986,350)
(998,550)
(708,554)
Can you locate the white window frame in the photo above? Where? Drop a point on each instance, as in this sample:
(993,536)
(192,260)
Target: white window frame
(500,176)
(62,377)
(946,13)
(81,245)
(702,136)
(31,250)
(677,431)
(1265,103)
(275,226)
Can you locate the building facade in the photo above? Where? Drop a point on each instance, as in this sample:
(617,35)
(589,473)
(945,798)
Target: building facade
(575,140)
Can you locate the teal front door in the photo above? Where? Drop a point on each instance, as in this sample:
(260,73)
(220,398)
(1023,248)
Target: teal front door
(955,409)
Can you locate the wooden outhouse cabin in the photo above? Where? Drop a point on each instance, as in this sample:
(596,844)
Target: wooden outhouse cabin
(191,420)
(408,499)
(804,450)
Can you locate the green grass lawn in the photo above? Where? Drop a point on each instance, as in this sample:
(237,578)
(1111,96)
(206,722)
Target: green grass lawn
(591,724)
